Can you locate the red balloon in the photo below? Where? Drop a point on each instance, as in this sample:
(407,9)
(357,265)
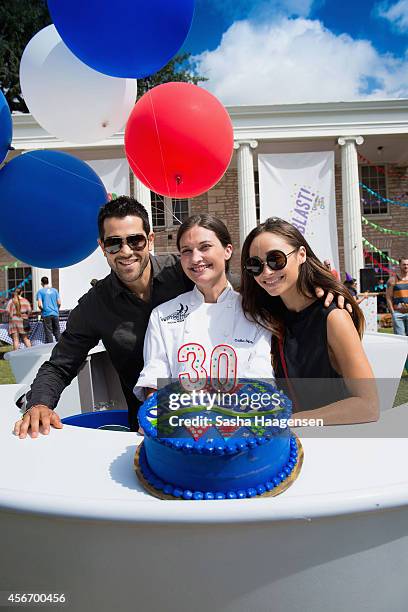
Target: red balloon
(179,140)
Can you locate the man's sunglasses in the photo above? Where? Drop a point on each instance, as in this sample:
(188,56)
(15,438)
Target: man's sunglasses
(136,242)
(275,260)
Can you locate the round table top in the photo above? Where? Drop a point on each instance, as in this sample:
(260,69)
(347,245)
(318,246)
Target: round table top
(88,474)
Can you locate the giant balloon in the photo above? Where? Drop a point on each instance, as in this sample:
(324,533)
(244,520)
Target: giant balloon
(123,38)
(49,203)
(6,127)
(66,97)
(179,140)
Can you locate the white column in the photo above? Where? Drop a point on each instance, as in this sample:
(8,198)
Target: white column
(246,187)
(142,195)
(353,239)
(36,275)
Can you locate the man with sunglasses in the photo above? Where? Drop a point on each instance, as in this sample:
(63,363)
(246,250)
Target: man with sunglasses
(116,310)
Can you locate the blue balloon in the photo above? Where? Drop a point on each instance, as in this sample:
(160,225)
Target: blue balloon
(124,38)
(49,204)
(6,127)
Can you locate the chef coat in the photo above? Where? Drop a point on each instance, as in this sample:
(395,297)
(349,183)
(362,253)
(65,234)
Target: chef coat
(189,319)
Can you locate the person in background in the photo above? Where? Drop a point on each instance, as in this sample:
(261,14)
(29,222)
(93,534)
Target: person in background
(49,302)
(332,271)
(397,300)
(351,284)
(18,309)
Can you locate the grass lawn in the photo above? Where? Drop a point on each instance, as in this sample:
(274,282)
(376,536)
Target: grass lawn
(402,393)
(6,375)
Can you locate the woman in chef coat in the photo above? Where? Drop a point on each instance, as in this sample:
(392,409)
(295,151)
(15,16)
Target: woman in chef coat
(203,333)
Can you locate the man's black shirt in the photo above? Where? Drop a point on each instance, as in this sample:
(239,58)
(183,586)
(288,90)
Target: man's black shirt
(112,313)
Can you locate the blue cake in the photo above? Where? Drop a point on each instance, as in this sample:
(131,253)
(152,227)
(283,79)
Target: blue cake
(210,445)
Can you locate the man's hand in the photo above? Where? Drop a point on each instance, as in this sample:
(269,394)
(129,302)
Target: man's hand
(329,298)
(35,417)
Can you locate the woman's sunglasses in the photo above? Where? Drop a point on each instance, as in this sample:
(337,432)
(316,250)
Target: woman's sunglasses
(275,260)
(136,242)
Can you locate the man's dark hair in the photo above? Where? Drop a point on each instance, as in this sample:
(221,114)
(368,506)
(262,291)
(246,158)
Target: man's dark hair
(121,208)
(44,280)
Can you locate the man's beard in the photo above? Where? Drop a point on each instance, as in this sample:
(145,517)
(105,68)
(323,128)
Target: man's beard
(131,279)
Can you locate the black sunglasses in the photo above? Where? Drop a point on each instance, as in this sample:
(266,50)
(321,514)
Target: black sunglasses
(275,260)
(136,242)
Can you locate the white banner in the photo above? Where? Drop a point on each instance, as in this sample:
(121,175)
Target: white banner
(299,187)
(75,280)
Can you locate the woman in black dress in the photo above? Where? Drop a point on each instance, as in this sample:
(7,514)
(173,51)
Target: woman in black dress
(316,350)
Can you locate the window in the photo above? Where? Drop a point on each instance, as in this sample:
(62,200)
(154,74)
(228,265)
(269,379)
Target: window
(180,211)
(374,178)
(158,210)
(15,277)
(167,212)
(257,204)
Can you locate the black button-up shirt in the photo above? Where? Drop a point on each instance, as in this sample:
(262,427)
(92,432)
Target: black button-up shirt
(112,313)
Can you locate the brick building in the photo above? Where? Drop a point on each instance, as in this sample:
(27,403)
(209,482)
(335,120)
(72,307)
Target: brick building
(369,139)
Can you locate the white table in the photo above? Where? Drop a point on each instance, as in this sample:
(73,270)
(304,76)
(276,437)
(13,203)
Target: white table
(74,518)
(96,381)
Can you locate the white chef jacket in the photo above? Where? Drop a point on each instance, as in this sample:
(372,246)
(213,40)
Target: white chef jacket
(188,319)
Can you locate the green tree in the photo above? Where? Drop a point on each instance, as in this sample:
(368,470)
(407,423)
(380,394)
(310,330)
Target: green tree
(178,69)
(20,20)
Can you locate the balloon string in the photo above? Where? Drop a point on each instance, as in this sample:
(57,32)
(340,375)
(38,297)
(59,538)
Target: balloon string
(82,178)
(140,171)
(150,186)
(170,211)
(160,147)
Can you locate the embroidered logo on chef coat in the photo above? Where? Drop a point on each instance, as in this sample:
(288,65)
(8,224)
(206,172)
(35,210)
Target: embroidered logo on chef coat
(178,316)
(244,340)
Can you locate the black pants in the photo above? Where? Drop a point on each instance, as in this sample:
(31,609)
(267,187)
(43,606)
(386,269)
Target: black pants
(133,407)
(51,326)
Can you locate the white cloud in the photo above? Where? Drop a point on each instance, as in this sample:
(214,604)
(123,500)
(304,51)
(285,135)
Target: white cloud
(298,60)
(396,14)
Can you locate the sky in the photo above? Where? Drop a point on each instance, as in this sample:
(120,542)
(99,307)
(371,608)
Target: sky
(291,51)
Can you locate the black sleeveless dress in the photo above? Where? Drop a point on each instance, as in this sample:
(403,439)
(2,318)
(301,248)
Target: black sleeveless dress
(313,382)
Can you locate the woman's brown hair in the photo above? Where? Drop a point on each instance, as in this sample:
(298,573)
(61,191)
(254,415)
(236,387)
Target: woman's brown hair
(17,301)
(267,310)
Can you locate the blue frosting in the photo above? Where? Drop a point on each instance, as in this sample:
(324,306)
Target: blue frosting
(249,461)
(241,493)
(201,471)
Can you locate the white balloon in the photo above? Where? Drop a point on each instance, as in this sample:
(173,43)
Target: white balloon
(68,98)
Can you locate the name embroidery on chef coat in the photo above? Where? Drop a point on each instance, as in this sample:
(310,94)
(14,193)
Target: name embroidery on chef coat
(178,316)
